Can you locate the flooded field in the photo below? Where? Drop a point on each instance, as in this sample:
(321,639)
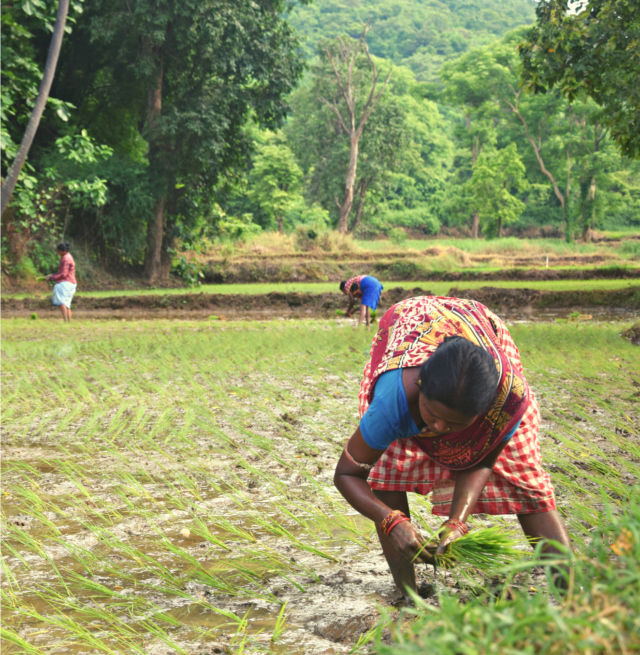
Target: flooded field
(167,485)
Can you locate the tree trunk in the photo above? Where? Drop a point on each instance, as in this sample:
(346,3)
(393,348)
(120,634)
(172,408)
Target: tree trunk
(166,259)
(476,224)
(153,256)
(155,228)
(347,203)
(353,127)
(362,190)
(41,101)
(499,226)
(280,225)
(590,222)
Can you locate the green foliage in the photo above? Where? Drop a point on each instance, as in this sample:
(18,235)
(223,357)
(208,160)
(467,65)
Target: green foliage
(563,147)
(403,153)
(42,204)
(496,174)
(189,270)
(412,33)
(99,163)
(590,50)
(237,228)
(217,63)
(26,26)
(419,218)
(397,236)
(275,182)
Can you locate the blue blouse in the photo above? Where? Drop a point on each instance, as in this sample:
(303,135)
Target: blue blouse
(388,418)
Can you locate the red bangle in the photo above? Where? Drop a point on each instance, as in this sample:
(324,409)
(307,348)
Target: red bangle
(393,525)
(389,519)
(458,525)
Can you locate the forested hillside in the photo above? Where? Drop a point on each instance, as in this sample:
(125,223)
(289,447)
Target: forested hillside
(419,35)
(174,128)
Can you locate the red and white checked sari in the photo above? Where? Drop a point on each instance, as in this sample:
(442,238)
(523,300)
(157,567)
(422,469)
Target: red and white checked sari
(518,483)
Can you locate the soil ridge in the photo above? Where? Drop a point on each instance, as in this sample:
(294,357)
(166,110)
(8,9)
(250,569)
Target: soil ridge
(316,304)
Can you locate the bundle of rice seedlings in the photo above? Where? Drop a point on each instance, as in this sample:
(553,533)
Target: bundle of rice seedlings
(485,549)
(482,549)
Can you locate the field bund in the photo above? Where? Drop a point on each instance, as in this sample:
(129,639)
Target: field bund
(625,300)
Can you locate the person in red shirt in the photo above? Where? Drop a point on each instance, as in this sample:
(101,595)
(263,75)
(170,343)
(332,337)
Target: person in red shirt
(65,280)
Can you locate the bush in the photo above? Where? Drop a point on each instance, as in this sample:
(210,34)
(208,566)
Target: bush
(314,217)
(397,236)
(309,238)
(190,271)
(419,218)
(238,228)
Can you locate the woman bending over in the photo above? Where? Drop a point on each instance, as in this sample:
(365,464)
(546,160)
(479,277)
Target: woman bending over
(445,409)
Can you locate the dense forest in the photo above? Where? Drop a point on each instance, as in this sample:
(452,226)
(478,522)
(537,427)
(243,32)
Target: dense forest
(172,127)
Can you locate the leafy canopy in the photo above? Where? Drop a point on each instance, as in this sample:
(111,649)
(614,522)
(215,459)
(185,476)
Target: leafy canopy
(592,53)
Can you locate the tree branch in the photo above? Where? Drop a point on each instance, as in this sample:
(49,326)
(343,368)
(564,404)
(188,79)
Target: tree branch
(536,150)
(336,111)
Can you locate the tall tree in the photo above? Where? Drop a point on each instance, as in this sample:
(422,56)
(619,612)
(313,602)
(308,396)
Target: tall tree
(343,62)
(496,174)
(193,72)
(470,93)
(38,108)
(275,182)
(590,49)
(539,121)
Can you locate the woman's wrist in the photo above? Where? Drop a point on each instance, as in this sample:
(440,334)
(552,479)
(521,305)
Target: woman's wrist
(456,524)
(391,520)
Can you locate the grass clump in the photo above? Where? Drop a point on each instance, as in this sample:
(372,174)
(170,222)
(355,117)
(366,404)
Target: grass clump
(599,613)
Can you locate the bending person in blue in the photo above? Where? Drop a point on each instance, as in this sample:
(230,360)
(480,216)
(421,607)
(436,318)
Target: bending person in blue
(365,288)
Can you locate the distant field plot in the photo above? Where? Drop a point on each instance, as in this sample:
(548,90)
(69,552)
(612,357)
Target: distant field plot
(167,485)
(509,245)
(436,287)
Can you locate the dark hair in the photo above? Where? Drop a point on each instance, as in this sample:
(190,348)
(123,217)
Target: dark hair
(460,375)
(343,284)
(63,247)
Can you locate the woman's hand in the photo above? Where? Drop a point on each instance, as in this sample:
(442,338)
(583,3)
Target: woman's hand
(409,542)
(448,535)
(47,277)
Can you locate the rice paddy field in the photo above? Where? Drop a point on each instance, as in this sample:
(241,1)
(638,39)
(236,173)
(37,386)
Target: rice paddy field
(167,488)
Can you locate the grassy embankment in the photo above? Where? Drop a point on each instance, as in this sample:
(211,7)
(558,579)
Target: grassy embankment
(170,482)
(280,258)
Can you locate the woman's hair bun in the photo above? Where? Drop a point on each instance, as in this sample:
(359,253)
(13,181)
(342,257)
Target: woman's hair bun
(460,375)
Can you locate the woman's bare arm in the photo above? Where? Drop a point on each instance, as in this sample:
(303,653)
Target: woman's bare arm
(467,490)
(352,302)
(351,482)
